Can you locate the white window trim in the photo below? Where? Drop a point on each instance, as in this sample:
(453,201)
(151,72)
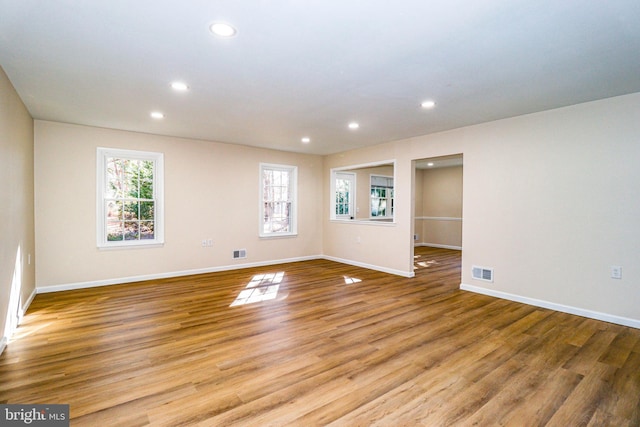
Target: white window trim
(294,201)
(158,189)
(353,204)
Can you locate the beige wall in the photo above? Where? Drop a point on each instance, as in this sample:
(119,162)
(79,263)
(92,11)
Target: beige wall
(551,201)
(439,215)
(211,192)
(16,206)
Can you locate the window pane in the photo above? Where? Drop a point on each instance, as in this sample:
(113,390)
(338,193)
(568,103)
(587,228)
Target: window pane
(342,196)
(115,230)
(114,210)
(277,218)
(131,230)
(382,207)
(277,178)
(146,230)
(146,179)
(130,210)
(129,189)
(378,207)
(147,210)
(267,211)
(114,178)
(266,181)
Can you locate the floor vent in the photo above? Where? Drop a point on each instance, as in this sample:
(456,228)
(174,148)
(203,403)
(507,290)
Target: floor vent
(240,253)
(482,273)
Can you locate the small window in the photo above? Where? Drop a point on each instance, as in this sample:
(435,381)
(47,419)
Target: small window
(345,183)
(129,198)
(278,192)
(381,197)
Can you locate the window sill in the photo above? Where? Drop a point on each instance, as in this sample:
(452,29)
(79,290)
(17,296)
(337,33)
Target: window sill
(131,246)
(278,236)
(377,222)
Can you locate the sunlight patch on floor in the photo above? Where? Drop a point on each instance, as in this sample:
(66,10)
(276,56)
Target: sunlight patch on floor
(262,287)
(424,264)
(351,280)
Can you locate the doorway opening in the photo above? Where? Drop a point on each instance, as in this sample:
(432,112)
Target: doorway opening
(437,214)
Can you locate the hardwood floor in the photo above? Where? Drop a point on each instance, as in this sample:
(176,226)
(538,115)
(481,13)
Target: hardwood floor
(323,344)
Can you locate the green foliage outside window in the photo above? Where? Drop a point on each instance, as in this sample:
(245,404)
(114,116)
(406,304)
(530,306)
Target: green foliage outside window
(130,199)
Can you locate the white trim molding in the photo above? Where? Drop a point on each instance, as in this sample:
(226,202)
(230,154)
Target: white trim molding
(3,344)
(25,306)
(370,266)
(624,321)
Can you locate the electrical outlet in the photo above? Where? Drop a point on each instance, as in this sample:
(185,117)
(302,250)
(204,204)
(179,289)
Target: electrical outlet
(204,243)
(616,272)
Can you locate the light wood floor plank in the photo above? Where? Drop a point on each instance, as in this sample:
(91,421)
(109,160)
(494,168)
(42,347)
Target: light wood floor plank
(338,345)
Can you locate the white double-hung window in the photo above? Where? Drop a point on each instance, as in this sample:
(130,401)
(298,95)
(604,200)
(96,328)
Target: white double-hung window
(129,198)
(278,194)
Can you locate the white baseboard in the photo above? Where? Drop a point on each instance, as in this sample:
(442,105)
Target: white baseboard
(370,266)
(3,344)
(435,245)
(625,321)
(26,305)
(141,278)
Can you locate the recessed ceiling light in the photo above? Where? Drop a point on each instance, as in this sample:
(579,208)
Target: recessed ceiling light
(157,115)
(222,29)
(180,86)
(306,140)
(428,104)
(353,125)
(430,164)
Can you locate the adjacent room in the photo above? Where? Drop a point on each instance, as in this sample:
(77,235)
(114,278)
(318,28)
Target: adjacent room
(321,213)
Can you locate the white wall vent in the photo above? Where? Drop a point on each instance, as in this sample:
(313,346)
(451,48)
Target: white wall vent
(482,273)
(239,253)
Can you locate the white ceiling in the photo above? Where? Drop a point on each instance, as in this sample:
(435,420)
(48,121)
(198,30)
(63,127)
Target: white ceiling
(308,67)
(440,162)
